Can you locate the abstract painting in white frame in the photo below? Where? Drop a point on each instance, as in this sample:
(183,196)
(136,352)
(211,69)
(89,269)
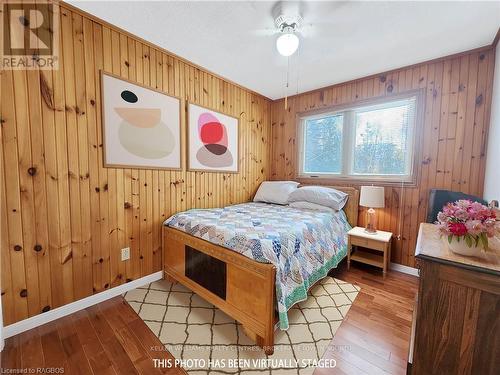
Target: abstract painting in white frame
(213,141)
(141,126)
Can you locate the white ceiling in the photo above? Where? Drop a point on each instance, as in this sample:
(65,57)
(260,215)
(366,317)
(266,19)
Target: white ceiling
(347,40)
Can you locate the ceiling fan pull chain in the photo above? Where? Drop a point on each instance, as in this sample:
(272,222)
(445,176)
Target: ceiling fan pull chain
(298,69)
(287,79)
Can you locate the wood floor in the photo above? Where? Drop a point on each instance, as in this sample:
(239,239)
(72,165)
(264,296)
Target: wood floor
(374,337)
(110,338)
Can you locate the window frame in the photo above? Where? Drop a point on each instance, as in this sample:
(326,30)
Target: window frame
(348,136)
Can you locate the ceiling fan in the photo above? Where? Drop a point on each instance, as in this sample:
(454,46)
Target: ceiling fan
(290,23)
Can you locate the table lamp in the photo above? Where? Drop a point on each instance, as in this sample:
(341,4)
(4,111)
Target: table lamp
(371,197)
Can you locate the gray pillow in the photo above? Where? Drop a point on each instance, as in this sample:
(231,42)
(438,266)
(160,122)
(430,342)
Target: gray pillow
(276,192)
(311,206)
(321,195)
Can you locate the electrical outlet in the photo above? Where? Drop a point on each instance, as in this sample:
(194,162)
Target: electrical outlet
(125,253)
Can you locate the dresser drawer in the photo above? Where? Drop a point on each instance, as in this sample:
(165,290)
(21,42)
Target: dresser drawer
(368,243)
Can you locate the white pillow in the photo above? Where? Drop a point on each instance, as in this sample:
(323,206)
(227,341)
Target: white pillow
(311,206)
(275,191)
(323,196)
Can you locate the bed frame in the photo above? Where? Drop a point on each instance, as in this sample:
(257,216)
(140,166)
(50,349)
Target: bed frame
(241,287)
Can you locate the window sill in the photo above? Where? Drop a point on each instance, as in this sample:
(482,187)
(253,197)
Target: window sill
(348,181)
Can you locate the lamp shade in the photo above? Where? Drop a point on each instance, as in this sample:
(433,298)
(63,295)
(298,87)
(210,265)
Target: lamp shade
(372,196)
(287,44)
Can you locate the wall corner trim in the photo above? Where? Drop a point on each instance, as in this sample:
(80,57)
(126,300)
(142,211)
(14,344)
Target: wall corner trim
(494,44)
(70,308)
(404,269)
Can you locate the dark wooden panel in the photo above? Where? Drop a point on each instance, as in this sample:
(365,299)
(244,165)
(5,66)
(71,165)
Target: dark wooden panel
(487,345)
(425,313)
(207,271)
(457,325)
(448,318)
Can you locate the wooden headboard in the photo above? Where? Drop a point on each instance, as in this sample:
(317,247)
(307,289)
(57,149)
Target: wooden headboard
(352,206)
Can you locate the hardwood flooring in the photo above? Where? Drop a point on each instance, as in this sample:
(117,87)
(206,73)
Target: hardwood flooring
(374,337)
(110,338)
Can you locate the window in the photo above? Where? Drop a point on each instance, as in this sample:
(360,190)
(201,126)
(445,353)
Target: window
(370,142)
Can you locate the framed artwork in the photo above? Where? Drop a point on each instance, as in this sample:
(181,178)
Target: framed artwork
(141,126)
(213,141)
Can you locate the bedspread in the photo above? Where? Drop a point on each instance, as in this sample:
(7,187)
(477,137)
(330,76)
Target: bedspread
(303,244)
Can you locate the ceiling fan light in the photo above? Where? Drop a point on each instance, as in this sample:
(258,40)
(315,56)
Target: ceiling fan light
(287,44)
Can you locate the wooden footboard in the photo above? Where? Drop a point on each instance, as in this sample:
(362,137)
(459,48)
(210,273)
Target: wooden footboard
(241,287)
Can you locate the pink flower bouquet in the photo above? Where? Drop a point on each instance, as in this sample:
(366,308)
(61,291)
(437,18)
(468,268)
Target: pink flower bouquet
(467,220)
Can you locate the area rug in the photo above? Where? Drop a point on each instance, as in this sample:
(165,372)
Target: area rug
(204,340)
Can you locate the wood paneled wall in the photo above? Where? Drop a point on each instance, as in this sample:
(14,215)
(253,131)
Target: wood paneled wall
(456,116)
(65,217)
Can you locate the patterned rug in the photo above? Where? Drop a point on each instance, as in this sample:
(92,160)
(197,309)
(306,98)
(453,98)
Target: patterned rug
(207,341)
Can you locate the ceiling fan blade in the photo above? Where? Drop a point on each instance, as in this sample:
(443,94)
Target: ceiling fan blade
(264,32)
(307,30)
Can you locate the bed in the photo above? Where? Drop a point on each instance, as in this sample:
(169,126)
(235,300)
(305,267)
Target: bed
(256,260)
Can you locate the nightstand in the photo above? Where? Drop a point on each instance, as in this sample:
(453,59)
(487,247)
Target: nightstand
(380,243)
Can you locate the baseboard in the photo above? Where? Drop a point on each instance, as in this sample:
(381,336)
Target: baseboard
(404,269)
(70,308)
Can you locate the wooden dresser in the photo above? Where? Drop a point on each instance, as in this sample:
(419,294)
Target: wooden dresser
(457,317)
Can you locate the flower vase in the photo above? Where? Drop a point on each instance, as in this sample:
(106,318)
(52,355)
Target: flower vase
(458,245)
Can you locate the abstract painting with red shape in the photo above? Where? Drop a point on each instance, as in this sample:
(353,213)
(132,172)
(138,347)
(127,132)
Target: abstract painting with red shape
(213,134)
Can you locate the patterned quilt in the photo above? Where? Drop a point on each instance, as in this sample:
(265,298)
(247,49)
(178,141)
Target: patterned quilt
(303,244)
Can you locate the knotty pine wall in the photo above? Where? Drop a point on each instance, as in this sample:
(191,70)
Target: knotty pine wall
(65,217)
(458,92)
